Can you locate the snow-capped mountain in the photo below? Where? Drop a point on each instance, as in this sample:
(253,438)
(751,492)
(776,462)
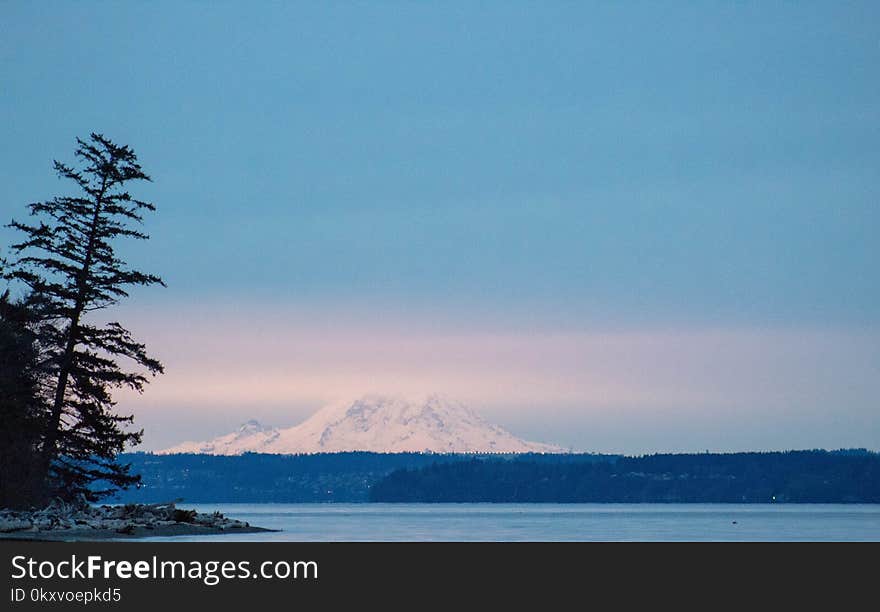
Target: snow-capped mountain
(378,424)
(249,436)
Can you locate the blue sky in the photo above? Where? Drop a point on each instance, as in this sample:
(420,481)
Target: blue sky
(559,167)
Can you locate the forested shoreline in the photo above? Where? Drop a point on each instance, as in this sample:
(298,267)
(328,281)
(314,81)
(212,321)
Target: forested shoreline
(778,477)
(845,476)
(266,478)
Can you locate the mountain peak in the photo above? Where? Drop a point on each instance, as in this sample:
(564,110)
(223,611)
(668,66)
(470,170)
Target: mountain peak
(377,423)
(253,426)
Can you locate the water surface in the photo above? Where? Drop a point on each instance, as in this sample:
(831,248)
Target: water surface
(552,522)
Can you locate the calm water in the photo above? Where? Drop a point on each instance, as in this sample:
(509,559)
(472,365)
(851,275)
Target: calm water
(552,522)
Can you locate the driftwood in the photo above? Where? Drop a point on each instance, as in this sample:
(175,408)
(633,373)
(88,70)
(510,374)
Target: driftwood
(124,519)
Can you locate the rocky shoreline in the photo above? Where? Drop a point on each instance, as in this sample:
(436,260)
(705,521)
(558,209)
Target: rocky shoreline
(63,521)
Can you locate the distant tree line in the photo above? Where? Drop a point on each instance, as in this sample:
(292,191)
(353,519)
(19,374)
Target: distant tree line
(254,477)
(797,476)
(780,477)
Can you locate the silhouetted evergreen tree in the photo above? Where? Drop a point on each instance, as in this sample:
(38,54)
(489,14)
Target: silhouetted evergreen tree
(67,260)
(23,409)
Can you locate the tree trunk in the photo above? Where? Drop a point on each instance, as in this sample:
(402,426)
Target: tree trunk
(53,431)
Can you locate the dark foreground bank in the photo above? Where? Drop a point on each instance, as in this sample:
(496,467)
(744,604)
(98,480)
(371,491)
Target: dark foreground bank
(335,575)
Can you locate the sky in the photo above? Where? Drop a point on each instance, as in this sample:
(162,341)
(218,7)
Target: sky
(617,227)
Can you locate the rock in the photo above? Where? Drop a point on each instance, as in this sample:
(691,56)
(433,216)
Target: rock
(13,524)
(184,516)
(62,516)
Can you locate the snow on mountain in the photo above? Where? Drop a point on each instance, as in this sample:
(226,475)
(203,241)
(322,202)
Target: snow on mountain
(249,436)
(375,423)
